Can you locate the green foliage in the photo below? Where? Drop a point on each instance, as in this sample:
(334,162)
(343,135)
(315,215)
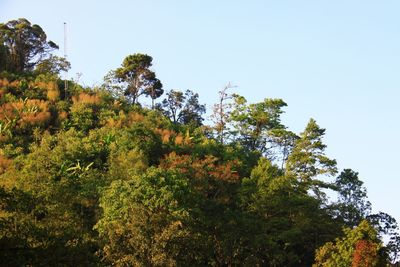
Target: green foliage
(134,78)
(144,220)
(290,222)
(387,226)
(89,177)
(183,108)
(352,205)
(343,252)
(307,160)
(25,45)
(52,65)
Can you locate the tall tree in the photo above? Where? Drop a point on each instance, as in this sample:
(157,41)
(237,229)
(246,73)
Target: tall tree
(359,247)
(221,113)
(153,229)
(289,222)
(183,108)
(252,122)
(353,205)
(308,160)
(134,78)
(172,105)
(53,65)
(387,226)
(25,45)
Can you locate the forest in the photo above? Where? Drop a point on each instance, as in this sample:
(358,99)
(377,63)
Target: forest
(129,173)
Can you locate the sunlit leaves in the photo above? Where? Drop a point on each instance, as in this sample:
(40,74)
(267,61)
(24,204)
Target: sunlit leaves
(359,247)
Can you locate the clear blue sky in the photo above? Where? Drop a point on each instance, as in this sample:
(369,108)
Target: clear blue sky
(336,61)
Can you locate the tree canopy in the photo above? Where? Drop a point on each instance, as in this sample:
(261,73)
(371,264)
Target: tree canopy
(98,178)
(134,78)
(23,45)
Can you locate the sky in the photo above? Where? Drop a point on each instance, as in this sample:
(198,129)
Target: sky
(335,61)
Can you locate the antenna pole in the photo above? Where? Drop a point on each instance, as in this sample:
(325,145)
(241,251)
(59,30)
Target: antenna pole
(65,56)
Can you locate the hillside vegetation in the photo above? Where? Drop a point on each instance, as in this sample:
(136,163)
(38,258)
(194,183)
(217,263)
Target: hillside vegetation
(96,177)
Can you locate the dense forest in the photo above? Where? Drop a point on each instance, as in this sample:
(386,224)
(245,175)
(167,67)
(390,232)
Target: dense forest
(132,174)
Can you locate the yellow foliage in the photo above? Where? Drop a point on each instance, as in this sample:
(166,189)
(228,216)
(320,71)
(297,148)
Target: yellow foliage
(4,137)
(4,163)
(14,84)
(135,117)
(165,134)
(25,112)
(84,98)
(52,91)
(4,82)
(3,91)
(116,123)
(179,139)
(63,115)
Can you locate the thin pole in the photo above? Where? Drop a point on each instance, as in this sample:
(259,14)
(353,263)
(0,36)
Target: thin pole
(65,56)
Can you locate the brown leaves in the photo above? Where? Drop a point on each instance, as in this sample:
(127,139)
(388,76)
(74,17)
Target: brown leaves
(365,254)
(24,113)
(208,167)
(4,163)
(84,98)
(41,89)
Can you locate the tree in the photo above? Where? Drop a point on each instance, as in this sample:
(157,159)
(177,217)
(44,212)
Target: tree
(192,110)
(25,45)
(183,108)
(290,224)
(135,78)
(221,113)
(146,220)
(352,206)
(282,142)
(52,65)
(3,56)
(252,122)
(307,159)
(387,226)
(63,200)
(172,105)
(359,247)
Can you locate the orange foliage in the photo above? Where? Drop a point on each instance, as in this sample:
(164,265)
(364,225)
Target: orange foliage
(14,84)
(3,91)
(35,118)
(6,111)
(112,123)
(209,177)
(84,98)
(365,254)
(63,115)
(124,119)
(51,87)
(202,168)
(4,82)
(52,91)
(3,86)
(3,137)
(117,104)
(25,112)
(41,85)
(179,139)
(135,117)
(4,163)
(165,134)
(171,136)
